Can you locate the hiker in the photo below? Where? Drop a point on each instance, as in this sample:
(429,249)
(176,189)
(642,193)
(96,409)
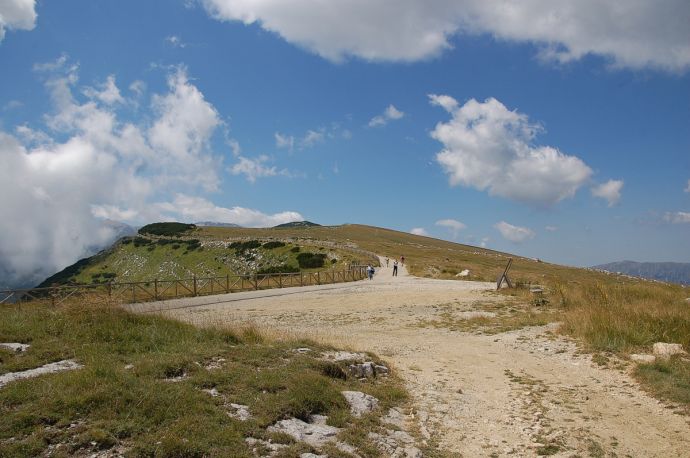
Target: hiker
(395,268)
(402,260)
(387,262)
(370,272)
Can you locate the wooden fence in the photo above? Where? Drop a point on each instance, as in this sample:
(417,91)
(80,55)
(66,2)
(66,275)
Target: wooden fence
(156,290)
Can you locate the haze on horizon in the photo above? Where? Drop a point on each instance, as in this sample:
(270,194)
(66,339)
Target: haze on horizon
(524,127)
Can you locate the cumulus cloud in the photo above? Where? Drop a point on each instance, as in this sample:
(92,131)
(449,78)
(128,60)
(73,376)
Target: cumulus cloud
(453,225)
(389,114)
(17,15)
(677,217)
(419,231)
(108,92)
(609,191)
(256,168)
(515,234)
(488,147)
(191,208)
(628,33)
(57,187)
(311,138)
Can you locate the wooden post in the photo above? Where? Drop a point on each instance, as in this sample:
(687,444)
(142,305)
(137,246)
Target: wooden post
(134,299)
(194,285)
(504,276)
(227,283)
(318,278)
(256,283)
(155,289)
(280,280)
(301,279)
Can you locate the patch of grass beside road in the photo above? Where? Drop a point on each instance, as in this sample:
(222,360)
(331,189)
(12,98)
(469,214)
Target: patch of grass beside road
(140,390)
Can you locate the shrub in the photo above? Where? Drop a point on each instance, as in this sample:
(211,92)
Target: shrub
(283,269)
(244,246)
(295,249)
(272,245)
(311,260)
(167,229)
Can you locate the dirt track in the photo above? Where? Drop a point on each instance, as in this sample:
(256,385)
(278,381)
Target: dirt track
(518,393)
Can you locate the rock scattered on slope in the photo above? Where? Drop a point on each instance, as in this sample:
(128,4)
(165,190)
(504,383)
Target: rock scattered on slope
(360,403)
(316,433)
(643,358)
(366,370)
(65,365)
(666,350)
(344,356)
(17,347)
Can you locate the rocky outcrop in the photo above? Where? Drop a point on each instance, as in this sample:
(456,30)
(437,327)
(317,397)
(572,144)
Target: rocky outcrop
(360,403)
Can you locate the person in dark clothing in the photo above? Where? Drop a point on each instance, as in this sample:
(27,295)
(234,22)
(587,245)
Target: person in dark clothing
(395,268)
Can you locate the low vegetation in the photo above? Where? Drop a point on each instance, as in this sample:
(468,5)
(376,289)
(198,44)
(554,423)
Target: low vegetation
(141,390)
(168,229)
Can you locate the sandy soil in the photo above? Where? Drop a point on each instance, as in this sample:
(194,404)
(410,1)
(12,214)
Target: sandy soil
(518,393)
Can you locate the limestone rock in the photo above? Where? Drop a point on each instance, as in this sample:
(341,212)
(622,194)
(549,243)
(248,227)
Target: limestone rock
(241,412)
(312,455)
(666,350)
(17,347)
(316,433)
(366,370)
(642,358)
(360,403)
(59,366)
(344,356)
(464,273)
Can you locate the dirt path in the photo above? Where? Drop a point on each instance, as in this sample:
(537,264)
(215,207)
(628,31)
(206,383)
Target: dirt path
(519,393)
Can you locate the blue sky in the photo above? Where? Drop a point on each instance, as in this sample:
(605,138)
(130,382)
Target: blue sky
(548,129)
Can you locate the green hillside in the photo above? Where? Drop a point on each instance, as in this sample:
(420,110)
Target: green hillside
(146,258)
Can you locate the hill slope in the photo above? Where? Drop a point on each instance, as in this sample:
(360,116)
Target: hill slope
(674,272)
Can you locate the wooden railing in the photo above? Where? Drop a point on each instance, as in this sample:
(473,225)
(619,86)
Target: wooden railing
(155,290)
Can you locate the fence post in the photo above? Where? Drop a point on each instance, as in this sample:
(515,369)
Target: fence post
(256,283)
(280,280)
(301,278)
(134,298)
(318,277)
(155,289)
(194,285)
(227,283)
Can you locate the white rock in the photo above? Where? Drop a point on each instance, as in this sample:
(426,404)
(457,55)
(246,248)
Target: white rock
(212,392)
(65,365)
(464,273)
(395,417)
(311,433)
(344,356)
(641,358)
(18,347)
(241,412)
(302,350)
(666,350)
(312,455)
(273,447)
(360,403)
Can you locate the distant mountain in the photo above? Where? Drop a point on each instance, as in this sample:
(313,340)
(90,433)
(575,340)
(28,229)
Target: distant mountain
(216,224)
(674,272)
(297,224)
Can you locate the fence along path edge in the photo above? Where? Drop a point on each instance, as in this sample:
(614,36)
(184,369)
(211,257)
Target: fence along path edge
(155,290)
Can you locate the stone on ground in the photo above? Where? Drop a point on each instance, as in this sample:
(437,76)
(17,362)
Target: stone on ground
(18,347)
(360,403)
(65,365)
(316,433)
(666,350)
(642,358)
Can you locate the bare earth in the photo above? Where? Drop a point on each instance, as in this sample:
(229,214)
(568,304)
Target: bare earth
(518,393)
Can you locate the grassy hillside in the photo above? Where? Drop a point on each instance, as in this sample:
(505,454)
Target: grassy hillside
(146,258)
(155,387)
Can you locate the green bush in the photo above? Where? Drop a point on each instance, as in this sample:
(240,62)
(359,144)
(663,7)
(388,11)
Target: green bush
(311,260)
(166,229)
(283,269)
(244,246)
(272,245)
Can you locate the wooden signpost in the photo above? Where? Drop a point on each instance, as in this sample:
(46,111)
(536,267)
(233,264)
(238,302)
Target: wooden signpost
(504,276)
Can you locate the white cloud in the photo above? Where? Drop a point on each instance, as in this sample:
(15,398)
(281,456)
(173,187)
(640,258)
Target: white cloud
(190,209)
(389,114)
(419,231)
(175,41)
(285,141)
(687,188)
(628,33)
(488,147)
(677,217)
(453,225)
(138,87)
(253,168)
(609,191)
(515,234)
(551,228)
(311,138)
(108,92)
(56,187)
(17,15)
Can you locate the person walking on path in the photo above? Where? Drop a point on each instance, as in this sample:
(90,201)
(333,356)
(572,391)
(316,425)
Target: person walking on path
(395,268)
(387,262)
(370,272)
(402,260)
